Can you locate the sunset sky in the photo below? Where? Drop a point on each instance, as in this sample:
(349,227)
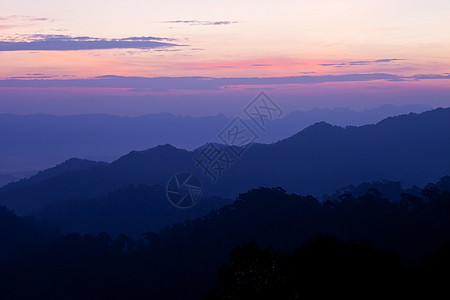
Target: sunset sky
(207,57)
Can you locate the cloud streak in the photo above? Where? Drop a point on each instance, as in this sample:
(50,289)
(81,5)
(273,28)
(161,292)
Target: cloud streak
(197,22)
(360,62)
(24,18)
(431,76)
(16,21)
(201,83)
(69,43)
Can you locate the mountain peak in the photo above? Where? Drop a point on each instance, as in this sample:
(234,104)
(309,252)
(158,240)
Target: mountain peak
(321,125)
(69,165)
(155,152)
(319,129)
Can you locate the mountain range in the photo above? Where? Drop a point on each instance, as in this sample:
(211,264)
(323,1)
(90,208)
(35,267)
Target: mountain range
(35,142)
(412,149)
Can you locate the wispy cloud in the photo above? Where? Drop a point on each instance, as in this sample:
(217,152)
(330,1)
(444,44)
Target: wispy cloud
(360,62)
(197,22)
(33,77)
(23,18)
(200,83)
(15,21)
(41,42)
(431,76)
(38,80)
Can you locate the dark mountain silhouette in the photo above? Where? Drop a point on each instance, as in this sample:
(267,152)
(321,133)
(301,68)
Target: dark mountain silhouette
(131,210)
(412,149)
(153,166)
(15,176)
(18,233)
(390,189)
(181,261)
(322,268)
(36,142)
(443,184)
(73,164)
(298,120)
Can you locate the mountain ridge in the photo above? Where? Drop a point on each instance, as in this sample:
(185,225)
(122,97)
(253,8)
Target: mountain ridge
(102,137)
(413,149)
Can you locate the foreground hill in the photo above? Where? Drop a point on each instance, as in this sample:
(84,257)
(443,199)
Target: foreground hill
(412,149)
(18,233)
(181,261)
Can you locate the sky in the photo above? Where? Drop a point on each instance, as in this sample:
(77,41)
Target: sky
(206,57)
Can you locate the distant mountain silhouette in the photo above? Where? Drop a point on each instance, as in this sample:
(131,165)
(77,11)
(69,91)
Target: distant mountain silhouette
(36,142)
(411,149)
